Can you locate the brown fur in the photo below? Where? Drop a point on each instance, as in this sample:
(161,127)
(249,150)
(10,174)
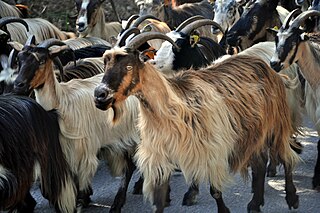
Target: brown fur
(208,122)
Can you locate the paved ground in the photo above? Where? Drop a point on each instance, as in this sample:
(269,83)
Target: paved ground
(236,197)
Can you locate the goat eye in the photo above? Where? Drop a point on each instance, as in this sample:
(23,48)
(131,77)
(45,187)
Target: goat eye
(129,67)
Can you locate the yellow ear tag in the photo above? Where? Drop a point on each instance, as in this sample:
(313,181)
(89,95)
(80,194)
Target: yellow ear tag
(194,39)
(276,28)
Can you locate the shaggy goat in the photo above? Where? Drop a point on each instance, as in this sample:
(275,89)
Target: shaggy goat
(212,125)
(91,20)
(252,24)
(29,145)
(9,10)
(293,45)
(84,128)
(40,28)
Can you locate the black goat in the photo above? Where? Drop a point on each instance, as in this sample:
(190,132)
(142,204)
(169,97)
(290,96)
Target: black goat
(29,141)
(193,50)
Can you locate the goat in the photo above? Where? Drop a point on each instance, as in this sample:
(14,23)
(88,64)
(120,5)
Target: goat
(146,23)
(9,10)
(175,15)
(83,126)
(194,51)
(40,28)
(293,45)
(91,20)
(226,13)
(29,142)
(211,124)
(256,18)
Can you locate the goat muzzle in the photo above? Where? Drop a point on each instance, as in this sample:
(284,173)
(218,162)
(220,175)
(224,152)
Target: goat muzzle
(276,65)
(102,97)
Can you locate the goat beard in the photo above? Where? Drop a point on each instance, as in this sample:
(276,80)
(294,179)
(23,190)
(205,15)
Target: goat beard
(117,113)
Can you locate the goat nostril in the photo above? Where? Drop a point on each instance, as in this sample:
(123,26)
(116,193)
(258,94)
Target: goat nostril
(80,24)
(20,84)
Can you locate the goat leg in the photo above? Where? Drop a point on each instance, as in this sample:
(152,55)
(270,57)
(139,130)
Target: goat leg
(190,197)
(27,205)
(217,195)
(291,197)
(258,165)
(316,177)
(160,196)
(120,198)
(137,188)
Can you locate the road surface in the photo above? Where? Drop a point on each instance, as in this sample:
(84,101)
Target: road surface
(236,196)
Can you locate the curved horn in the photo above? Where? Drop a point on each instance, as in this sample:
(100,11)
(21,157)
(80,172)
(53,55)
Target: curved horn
(289,17)
(142,18)
(303,16)
(126,34)
(51,42)
(6,20)
(130,20)
(12,56)
(138,40)
(188,21)
(58,63)
(31,40)
(189,28)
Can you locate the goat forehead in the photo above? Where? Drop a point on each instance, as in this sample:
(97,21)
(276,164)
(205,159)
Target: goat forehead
(85,4)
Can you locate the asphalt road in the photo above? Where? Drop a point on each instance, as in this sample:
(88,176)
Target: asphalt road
(236,196)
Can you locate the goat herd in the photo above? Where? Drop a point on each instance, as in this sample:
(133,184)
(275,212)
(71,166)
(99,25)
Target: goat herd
(211,88)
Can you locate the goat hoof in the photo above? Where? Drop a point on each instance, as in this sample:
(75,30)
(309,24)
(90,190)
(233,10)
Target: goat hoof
(189,200)
(316,183)
(293,201)
(137,190)
(253,207)
(115,210)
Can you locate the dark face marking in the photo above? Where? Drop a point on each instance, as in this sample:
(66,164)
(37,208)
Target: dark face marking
(121,77)
(86,10)
(30,61)
(251,23)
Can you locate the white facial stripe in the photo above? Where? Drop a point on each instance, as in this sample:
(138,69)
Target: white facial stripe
(83,15)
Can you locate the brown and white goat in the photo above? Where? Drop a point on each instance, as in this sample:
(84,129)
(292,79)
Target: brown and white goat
(208,122)
(293,44)
(84,128)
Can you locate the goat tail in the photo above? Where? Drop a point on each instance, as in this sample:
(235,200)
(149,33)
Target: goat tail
(57,180)
(288,82)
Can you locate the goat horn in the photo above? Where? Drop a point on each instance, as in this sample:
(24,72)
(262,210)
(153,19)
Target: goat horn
(142,18)
(6,20)
(303,16)
(31,40)
(12,56)
(58,63)
(126,34)
(51,42)
(289,17)
(188,21)
(130,20)
(138,40)
(199,23)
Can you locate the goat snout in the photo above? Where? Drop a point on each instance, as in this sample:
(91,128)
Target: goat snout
(276,65)
(102,97)
(81,26)
(20,87)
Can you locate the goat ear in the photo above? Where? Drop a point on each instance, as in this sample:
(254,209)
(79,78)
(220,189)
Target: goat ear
(59,50)
(273,31)
(194,39)
(304,37)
